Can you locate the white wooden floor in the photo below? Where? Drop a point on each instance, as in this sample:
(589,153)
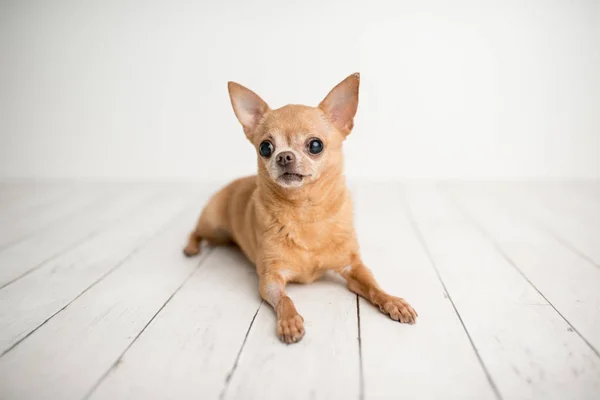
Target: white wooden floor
(97,300)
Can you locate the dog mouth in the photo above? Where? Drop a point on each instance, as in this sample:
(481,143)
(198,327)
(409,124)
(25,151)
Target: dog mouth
(292,177)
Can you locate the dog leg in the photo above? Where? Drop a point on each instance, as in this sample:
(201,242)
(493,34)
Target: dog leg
(361,281)
(192,247)
(203,231)
(290,324)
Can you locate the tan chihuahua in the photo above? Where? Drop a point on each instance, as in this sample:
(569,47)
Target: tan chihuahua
(294,220)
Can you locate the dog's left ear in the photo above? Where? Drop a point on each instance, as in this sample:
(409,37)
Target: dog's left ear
(341,104)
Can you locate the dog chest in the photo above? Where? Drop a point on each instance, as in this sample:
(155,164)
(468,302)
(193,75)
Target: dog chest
(314,245)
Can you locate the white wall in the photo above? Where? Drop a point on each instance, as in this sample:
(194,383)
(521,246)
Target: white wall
(463,89)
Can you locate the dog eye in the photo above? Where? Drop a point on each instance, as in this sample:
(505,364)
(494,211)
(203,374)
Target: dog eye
(266,149)
(315,146)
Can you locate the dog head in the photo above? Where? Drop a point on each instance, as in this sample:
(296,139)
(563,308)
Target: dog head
(297,144)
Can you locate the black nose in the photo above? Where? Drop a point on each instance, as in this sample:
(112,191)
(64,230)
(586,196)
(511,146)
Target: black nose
(286,157)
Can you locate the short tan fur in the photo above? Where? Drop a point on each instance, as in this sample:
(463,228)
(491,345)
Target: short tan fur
(294,219)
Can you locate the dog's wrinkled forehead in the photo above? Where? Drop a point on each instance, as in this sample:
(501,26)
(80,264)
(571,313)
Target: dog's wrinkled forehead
(293,124)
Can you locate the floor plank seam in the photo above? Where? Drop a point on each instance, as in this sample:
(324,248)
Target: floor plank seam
(51,224)
(80,242)
(545,228)
(239,354)
(136,250)
(361,382)
(565,243)
(561,209)
(30,209)
(119,359)
(421,240)
(511,262)
(18,342)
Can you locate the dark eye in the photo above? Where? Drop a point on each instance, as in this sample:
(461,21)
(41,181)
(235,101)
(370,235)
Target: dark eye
(266,149)
(315,146)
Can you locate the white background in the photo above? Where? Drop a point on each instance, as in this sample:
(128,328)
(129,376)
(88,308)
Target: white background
(456,89)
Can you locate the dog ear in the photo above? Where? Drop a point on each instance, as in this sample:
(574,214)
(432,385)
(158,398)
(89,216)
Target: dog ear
(248,107)
(341,103)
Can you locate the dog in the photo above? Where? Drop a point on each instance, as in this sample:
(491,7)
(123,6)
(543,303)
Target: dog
(294,219)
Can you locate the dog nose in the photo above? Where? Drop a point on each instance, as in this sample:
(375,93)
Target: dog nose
(286,157)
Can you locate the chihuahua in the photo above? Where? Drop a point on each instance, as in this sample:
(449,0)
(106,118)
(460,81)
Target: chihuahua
(294,219)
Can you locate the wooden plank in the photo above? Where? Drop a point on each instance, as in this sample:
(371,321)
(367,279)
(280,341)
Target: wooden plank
(69,354)
(43,246)
(15,192)
(526,345)
(190,348)
(41,218)
(432,359)
(323,365)
(19,200)
(589,188)
(59,281)
(580,235)
(12,193)
(567,281)
(568,199)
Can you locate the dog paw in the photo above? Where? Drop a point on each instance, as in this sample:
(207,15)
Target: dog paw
(398,310)
(290,330)
(191,250)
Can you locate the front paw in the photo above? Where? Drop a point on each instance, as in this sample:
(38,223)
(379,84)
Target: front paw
(398,309)
(290,329)
(191,249)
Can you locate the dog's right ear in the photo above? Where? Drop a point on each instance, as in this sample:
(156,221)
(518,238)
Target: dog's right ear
(248,107)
